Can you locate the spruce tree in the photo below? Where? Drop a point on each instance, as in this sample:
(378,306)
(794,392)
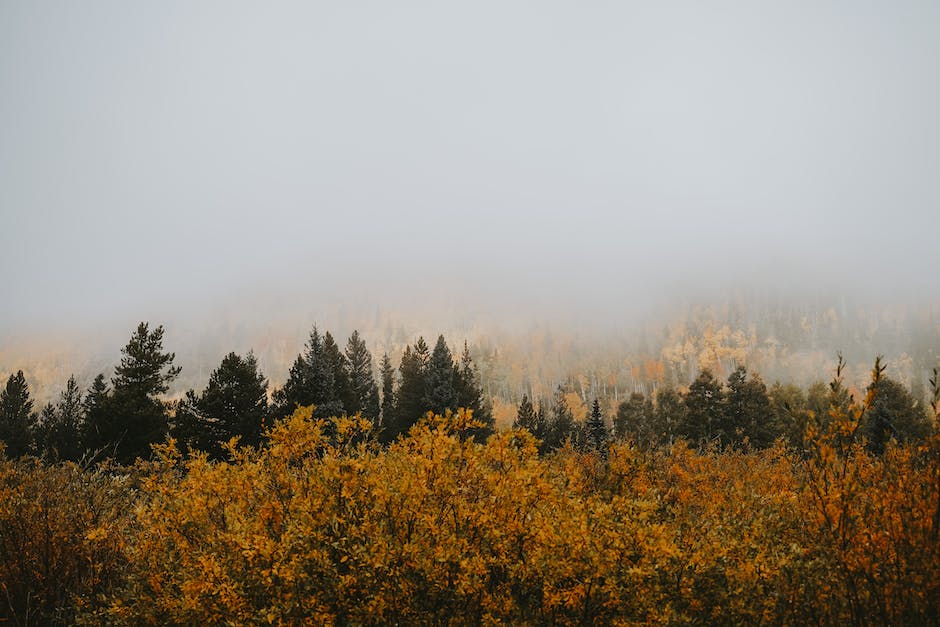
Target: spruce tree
(635,419)
(704,411)
(189,427)
(234,404)
(439,394)
(364,395)
(341,398)
(144,373)
(525,416)
(387,372)
(595,429)
(59,431)
(561,424)
(98,418)
(895,415)
(311,380)
(409,399)
(470,395)
(669,413)
(17,420)
(747,411)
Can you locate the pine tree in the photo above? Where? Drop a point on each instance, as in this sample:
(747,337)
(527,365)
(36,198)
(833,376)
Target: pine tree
(364,393)
(234,404)
(17,420)
(747,411)
(439,394)
(311,380)
(388,390)
(410,397)
(189,427)
(59,430)
(704,408)
(635,418)
(144,373)
(98,418)
(470,395)
(669,413)
(595,429)
(895,415)
(341,398)
(525,416)
(561,425)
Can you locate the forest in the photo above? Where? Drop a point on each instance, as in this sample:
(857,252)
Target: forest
(343,497)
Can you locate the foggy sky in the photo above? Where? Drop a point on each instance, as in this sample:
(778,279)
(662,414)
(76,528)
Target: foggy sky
(160,157)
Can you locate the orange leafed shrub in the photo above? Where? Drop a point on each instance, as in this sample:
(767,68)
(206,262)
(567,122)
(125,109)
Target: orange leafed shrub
(323,526)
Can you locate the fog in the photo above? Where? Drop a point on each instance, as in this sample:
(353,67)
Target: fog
(589,161)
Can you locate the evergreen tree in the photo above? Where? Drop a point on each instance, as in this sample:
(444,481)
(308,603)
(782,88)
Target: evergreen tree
(895,414)
(388,390)
(410,398)
(635,418)
(704,408)
(341,397)
(747,411)
(17,420)
(561,425)
(189,427)
(234,404)
(470,395)
(364,393)
(595,429)
(791,413)
(669,413)
(311,380)
(817,402)
(526,417)
(98,418)
(59,431)
(439,394)
(144,373)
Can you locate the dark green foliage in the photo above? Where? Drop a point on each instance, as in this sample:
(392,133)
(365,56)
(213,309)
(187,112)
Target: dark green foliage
(98,418)
(440,394)
(748,413)
(58,435)
(595,429)
(470,395)
(17,419)
(561,423)
(669,413)
(387,373)
(635,418)
(364,394)
(410,398)
(895,415)
(137,417)
(817,401)
(526,418)
(312,379)
(704,408)
(234,404)
(342,396)
(791,413)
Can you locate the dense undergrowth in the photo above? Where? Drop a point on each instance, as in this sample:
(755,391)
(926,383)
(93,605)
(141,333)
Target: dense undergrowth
(324,526)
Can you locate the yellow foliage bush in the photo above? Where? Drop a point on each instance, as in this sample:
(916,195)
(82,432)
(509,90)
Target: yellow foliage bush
(323,526)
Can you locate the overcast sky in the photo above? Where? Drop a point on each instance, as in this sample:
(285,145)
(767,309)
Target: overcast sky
(168,155)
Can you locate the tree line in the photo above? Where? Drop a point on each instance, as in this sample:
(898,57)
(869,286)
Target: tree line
(122,417)
(731,413)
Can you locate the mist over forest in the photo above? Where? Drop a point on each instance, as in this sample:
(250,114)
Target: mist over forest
(489,312)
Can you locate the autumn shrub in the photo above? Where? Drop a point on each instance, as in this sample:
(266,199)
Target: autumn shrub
(61,531)
(324,526)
